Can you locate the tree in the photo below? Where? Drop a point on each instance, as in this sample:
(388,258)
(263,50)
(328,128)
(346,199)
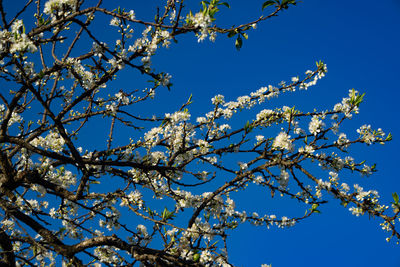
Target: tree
(157,189)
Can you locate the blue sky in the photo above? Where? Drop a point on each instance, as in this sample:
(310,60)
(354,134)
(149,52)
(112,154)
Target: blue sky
(359,41)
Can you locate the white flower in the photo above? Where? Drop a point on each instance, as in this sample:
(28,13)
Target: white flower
(112,108)
(243,166)
(264,114)
(315,125)
(115,21)
(165,80)
(283,179)
(21,42)
(122,98)
(58,6)
(356,211)
(366,170)
(98,49)
(17,26)
(283,141)
(134,198)
(366,134)
(131,14)
(307,149)
(201,20)
(206,256)
(260,138)
(142,230)
(178,116)
(345,187)
(204,146)
(342,140)
(53,141)
(201,120)
(218,99)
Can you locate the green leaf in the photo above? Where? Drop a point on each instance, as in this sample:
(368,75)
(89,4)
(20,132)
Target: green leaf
(373,167)
(248,127)
(395,198)
(285,3)
(196,257)
(204,7)
(314,208)
(167,214)
(238,43)
(151,213)
(389,137)
(267,4)
(226,4)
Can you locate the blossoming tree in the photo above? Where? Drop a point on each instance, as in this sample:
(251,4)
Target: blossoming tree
(166,197)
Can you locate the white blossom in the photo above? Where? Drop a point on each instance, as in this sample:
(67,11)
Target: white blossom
(283,141)
(316,125)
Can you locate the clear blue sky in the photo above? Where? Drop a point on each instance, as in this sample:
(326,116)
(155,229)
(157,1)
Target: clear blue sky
(359,41)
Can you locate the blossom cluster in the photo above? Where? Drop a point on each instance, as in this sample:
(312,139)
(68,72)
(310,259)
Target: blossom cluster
(17,39)
(57,8)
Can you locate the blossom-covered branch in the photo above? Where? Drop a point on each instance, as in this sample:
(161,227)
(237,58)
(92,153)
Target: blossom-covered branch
(167,195)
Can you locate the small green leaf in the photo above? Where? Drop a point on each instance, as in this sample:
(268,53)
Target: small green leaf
(238,43)
(389,137)
(226,4)
(196,257)
(373,167)
(314,208)
(267,4)
(204,5)
(151,213)
(248,127)
(395,198)
(166,214)
(285,3)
